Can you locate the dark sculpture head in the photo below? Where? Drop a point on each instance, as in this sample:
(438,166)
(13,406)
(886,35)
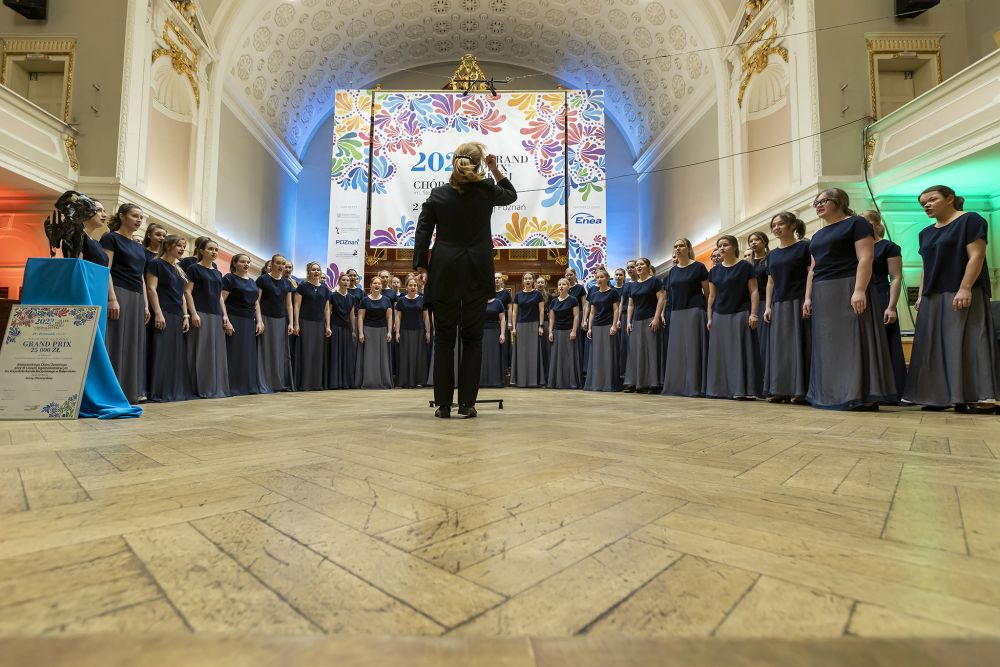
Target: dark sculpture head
(65,229)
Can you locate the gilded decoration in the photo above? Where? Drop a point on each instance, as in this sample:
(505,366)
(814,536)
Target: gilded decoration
(879,45)
(870,145)
(16,47)
(468,70)
(187,10)
(753,9)
(74,163)
(183,55)
(762,48)
(376,256)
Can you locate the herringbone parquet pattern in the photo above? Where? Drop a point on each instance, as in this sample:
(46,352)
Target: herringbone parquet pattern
(568,513)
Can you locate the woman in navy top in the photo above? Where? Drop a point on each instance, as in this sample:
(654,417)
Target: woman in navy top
(207,361)
(128,311)
(602,329)
(239,292)
(542,285)
(887,279)
(165,284)
(343,339)
(954,360)
(503,296)
(152,240)
(732,317)
(623,318)
(93,230)
(839,299)
(491,373)
(527,312)
(786,373)
(579,292)
(413,335)
(759,246)
(645,305)
(375,321)
(311,309)
(687,346)
(564,323)
(275,358)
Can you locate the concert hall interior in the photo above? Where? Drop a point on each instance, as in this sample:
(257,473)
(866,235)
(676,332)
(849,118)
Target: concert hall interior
(783,185)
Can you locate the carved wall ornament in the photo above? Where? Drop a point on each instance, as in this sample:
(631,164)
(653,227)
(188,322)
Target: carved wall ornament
(74,163)
(755,57)
(183,56)
(188,10)
(468,70)
(870,144)
(753,9)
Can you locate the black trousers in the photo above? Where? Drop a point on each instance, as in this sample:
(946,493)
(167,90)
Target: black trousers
(447,315)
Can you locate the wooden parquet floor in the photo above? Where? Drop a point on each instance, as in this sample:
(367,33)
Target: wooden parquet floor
(358,514)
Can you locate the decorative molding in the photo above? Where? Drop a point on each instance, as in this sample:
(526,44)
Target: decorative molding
(50,46)
(376,256)
(870,146)
(468,70)
(265,135)
(763,48)
(890,43)
(70,143)
(183,56)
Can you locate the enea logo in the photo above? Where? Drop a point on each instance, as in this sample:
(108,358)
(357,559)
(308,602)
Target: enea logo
(586,219)
(347,242)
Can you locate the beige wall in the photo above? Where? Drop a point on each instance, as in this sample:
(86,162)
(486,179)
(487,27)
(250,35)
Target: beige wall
(99,29)
(769,162)
(983,20)
(256,197)
(843,59)
(682,201)
(168,161)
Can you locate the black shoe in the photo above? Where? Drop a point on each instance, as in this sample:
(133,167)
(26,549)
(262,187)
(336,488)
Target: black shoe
(443,412)
(629,389)
(469,411)
(962,408)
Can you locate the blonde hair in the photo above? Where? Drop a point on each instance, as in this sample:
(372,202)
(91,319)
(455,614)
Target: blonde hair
(467,165)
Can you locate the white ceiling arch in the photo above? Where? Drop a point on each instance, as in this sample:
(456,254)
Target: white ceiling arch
(286,57)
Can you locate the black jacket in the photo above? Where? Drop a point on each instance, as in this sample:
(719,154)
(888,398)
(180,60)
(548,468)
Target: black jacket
(462,264)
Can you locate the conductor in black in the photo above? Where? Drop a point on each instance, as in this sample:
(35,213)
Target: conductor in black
(460,272)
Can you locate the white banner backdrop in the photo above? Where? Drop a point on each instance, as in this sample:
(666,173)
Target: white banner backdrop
(349,184)
(416,133)
(588,235)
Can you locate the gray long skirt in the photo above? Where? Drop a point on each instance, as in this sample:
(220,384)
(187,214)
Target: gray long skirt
(850,363)
(602,368)
(208,365)
(373,362)
(564,361)
(762,341)
(168,370)
(491,371)
(126,343)
(623,337)
(954,357)
(310,356)
(412,358)
(526,366)
(643,371)
(732,357)
(341,359)
(893,338)
(787,372)
(274,360)
(241,356)
(544,349)
(687,353)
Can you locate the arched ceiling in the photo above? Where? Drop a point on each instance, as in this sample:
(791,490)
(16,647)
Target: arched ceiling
(287,57)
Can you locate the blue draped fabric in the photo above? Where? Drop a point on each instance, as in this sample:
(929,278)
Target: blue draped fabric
(74,282)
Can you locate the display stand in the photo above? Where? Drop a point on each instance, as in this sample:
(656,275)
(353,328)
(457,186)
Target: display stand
(75,282)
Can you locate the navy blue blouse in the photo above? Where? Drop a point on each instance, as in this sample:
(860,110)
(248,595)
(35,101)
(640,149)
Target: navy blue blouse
(833,248)
(684,285)
(788,269)
(731,292)
(375,310)
(169,285)
(272,295)
(494,309)
(341,306)
(760,273)
(93,252)
(129,262)
(411,312)
(603,304)
(527,306)
(945,256)
(643,295)
(579,292)
(206,290)
(241,297)
(884,251)
(503,296)
(564,312)
(314,298)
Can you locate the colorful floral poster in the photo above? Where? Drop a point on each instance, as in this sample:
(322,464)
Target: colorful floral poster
(349,184)
(415,134)
(588,229)
(44,361)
